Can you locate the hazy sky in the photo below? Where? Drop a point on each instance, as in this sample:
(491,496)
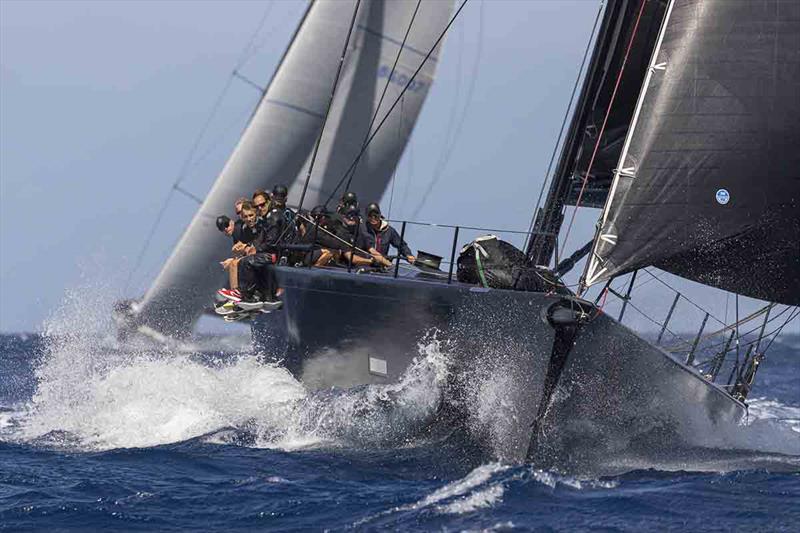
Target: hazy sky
(101,102)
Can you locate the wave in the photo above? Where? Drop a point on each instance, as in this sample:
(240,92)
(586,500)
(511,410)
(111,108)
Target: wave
(484,488)
(91,398)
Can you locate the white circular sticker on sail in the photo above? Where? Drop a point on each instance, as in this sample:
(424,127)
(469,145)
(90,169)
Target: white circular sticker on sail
(723,196)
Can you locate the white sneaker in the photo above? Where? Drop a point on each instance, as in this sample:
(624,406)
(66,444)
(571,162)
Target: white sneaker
(272,306)
(251,306)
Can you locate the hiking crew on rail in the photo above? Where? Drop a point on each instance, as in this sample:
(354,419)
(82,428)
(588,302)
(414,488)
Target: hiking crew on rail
(266,232)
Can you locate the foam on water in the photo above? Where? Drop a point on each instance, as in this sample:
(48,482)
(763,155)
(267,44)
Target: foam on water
(770,427)
(94,397)
(463,490)
(143,400)
(5,419)
(484,487)
(765,409)
(97,398)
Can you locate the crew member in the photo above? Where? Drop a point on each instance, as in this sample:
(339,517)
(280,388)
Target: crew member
(354,228)
(261,201)
(238,223)
(256,274)
(237,206)
(226,226)
(279,196)
(249,233)
(318,230)
(348,200)
(379,235)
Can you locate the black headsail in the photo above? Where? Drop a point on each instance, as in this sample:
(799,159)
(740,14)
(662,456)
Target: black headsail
(628,26)
(708,183)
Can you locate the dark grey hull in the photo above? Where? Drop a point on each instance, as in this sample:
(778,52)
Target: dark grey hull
(617,395)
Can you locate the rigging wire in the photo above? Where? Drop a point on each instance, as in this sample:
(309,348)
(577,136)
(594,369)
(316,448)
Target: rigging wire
(399,97)
(792,316)
(749,318)
(249,50)
(190,157)
(451,119)
(775,333)
(673,289)
(409,158)
(394,173)
(330,103)
(454,132)
(563,125)
(605,121)
(657,323)
(383,95)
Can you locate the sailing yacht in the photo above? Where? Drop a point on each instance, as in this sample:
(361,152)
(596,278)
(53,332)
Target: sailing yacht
(684,133)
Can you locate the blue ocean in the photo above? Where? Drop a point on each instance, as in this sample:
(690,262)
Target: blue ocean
(206,436)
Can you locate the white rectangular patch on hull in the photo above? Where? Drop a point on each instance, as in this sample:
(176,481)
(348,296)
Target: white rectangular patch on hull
(378,367)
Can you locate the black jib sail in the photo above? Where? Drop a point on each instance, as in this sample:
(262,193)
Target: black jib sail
(708,182)
(619,60)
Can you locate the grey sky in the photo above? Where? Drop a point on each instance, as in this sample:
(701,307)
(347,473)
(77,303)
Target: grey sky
(100,103)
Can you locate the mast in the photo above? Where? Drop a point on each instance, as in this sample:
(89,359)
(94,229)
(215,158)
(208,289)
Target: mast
(549,218)
(607,95)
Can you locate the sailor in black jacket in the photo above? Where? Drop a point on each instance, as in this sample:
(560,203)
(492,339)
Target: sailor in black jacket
(257,281)
(378,235)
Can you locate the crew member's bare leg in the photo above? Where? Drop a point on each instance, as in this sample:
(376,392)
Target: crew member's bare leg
(357,259)
(233,273)
(324,258)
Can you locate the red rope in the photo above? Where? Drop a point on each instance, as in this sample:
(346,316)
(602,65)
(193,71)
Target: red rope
(605,120)
(605,295)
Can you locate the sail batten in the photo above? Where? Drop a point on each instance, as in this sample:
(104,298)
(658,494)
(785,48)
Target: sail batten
(708,183)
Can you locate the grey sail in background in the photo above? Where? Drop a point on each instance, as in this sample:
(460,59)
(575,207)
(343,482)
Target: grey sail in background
(708,183)
(276,144)
(377,43)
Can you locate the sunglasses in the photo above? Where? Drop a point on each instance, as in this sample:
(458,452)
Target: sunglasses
(260,206)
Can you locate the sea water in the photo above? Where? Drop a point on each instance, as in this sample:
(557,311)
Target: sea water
(209,437)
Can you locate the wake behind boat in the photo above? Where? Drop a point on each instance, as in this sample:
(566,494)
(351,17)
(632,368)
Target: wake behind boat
(665,136)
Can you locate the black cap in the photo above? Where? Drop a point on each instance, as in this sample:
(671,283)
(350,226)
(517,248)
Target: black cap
(373,208)
(222,222)
(319,211)
(280,191)
(349,198)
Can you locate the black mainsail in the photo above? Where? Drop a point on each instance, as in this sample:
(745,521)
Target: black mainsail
(708,183)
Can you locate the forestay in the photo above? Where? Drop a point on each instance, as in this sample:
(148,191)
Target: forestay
(708,183)
(276,144)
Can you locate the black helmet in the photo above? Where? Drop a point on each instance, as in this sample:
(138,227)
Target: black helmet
(349,198)
(319,211)
(280,191)
(352,212)
(222,222)
(373,208)
(274,218)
